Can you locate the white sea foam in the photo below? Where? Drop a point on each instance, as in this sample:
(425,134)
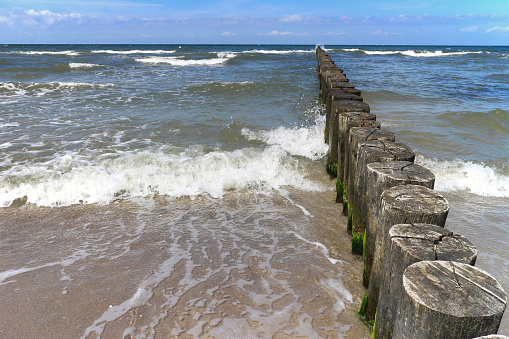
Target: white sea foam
(82,65)
(421,54)
(9,89)
(303,141)
(9,124)
(427,54)
(325,252)
(380,52)
(460,175)
(179,61)
(69,53)
(134,51)
(263,51)
(72,179)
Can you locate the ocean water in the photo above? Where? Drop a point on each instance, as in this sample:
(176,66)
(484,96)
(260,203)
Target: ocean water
(181,189)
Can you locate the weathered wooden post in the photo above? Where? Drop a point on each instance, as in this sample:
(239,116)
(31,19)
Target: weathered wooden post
(343,110)
(379,151)
(374,151)
(356,136)
(402,204)
(373,179)
(406,245)
(343,131)
(333,95)
(446,299)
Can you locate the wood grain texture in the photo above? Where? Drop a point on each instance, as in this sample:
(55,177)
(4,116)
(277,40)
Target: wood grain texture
(446,299)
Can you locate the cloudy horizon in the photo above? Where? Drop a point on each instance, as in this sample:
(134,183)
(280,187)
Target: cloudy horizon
(429,22)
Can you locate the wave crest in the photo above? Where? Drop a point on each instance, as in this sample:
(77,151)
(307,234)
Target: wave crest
(461,175)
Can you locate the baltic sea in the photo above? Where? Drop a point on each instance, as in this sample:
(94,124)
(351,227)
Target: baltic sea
(181,189)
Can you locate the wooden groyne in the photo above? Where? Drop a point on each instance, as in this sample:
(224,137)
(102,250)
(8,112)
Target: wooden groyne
(420,277)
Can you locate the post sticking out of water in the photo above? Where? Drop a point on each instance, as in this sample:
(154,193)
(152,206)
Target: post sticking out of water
(385,191)
(446,299)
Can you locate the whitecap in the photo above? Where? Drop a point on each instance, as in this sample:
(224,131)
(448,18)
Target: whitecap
(461,175)
(134,51)
(73,179)
(304,141)
(68,53)
(179,61)
(82,65)
(264,51)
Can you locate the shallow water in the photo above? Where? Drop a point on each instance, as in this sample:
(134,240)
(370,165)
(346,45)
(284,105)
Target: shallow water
(249,265)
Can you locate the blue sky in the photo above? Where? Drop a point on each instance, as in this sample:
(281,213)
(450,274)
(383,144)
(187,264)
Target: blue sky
(340,22)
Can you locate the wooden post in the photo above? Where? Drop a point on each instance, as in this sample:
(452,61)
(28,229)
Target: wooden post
(446,299)
(331,115)
(343,130)
(325,73)
(402,204)
(380,151)
(406,245)
(375,177)
(357,136)
(355,120)
(334,94)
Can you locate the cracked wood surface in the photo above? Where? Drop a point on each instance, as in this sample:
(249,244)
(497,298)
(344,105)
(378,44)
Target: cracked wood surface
(401,205)
(446,299)
(408,244)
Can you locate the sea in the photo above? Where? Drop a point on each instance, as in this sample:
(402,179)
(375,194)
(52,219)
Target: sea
(180,190)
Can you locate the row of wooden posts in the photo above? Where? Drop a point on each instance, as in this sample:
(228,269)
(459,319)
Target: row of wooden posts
(420,277)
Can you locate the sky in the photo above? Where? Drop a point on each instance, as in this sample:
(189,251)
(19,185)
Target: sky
(339,22)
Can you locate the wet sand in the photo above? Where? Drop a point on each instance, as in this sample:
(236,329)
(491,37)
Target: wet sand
(246,266)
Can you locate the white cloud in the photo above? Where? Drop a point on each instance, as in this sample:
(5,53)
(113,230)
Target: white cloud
(400,18)
(274,32)
(228,34)
(380,32)
(497,29)
(335,33)
(49,18)
(8,21)
(290,18)
(470,29)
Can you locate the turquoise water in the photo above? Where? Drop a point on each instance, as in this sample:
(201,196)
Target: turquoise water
(105,125)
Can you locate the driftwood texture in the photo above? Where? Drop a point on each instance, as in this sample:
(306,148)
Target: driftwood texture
(374,178)
(402,205)
(406,245)
(446,299)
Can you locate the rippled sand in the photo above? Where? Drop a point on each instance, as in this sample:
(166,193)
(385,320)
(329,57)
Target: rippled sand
(245,266)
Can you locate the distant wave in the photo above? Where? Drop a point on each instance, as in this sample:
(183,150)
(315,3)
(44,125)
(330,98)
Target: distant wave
(412,53)
(460,175)
(69,53)
(222,58)
(8,89)
(134,51)
(258,51)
